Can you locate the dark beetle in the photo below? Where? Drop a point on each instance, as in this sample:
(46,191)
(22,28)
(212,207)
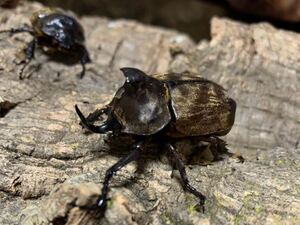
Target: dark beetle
(163,109)
(55,32)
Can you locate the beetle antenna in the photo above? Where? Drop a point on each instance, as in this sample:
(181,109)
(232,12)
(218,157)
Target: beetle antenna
(103,128)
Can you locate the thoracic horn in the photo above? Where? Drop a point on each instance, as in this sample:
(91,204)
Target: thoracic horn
(134,75)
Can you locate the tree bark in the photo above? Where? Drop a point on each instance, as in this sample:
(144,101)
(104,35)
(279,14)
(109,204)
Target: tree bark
(51,171)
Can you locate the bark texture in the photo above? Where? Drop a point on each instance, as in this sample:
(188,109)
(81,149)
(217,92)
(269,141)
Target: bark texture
(51,170)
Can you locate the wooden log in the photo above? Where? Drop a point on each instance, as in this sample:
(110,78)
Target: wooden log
(51,170)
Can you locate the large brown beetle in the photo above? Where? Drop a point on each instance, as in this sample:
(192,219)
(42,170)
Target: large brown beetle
(54,31)
(163,109)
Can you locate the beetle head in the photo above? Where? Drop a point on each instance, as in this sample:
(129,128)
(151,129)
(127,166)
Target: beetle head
(36,16)
(141,104)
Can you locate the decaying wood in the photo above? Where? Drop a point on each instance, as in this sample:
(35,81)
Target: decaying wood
(51,170)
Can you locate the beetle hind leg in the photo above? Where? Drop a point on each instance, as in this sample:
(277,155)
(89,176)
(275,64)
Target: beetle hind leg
(216,145)
(186,184)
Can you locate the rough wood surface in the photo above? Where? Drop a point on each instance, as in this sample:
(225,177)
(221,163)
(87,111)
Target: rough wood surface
(50,168)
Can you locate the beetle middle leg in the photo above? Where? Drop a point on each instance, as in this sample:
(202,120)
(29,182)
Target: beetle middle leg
(132,156)
(84,59)
(186,184)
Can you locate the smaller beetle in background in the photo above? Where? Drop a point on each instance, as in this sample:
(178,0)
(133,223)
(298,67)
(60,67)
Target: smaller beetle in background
(54,31)
(162,110)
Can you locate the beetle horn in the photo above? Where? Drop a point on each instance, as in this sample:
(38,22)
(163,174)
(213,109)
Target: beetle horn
(133,74)
(103,128)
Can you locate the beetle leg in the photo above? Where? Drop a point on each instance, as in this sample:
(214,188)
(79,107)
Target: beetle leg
(83,69)
(184,178)
(103,128)
(12,31)
(195,151)
(84,59)
(215,141)
(217,146)
(29,52)
(132,156)
(92,117)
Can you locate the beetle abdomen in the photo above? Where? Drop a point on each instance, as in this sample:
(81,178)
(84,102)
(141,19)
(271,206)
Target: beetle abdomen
(200,108)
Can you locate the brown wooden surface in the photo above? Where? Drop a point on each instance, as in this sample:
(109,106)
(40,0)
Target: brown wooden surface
(49,167)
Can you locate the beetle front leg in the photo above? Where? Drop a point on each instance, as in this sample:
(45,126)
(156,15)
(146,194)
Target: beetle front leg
(133,155)
(12,31)
(186,184)
(108,125)
(29,52)
(92,117)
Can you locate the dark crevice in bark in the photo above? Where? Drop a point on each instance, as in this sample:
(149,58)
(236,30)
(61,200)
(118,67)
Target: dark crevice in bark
(60,221)
(5,107)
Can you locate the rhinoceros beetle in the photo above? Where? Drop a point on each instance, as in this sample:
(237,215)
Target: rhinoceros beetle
(54,31)
(163,109)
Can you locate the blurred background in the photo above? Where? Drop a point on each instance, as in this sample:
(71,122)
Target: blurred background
(188,16)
